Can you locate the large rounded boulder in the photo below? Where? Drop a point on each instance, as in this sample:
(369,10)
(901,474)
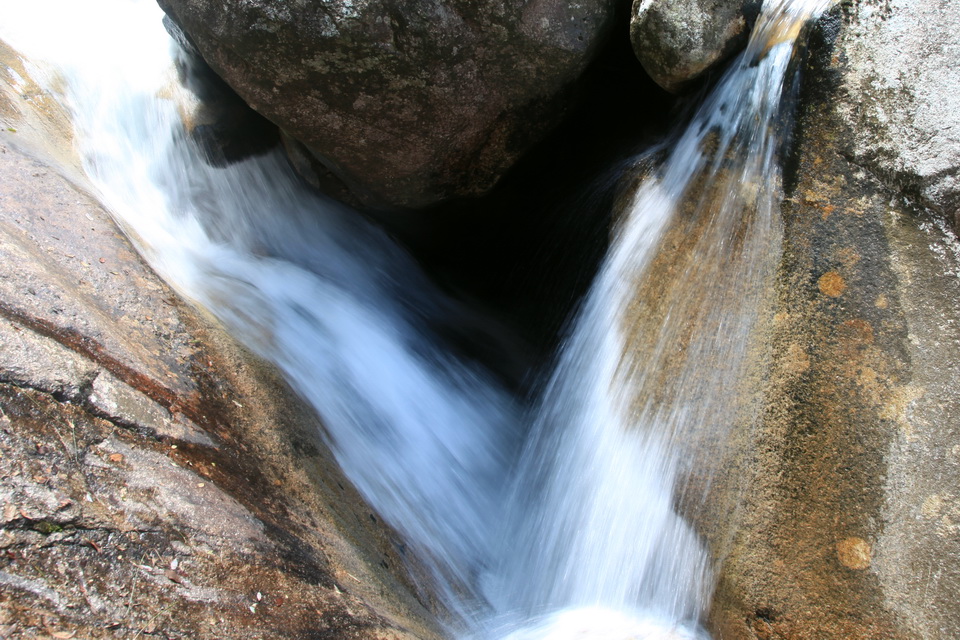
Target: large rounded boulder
(401,104)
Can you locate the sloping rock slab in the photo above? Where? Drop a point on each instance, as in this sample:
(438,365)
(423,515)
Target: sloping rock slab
(156,480)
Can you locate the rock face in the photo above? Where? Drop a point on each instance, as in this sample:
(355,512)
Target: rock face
(154,477)
(901,97)
(405,103)
(846,525)
(678,41)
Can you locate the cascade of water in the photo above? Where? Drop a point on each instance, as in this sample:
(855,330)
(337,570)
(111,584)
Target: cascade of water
(306,283)
(589,541)
(647,382)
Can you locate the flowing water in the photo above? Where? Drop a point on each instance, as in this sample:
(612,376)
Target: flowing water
(555,522)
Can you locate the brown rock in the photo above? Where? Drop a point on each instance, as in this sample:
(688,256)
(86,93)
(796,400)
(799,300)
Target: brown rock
(138,494)
(836,533)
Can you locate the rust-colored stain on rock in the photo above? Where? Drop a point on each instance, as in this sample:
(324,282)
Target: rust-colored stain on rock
(832,284)
(854,553)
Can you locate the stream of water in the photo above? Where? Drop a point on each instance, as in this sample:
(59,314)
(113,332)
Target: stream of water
(558,521)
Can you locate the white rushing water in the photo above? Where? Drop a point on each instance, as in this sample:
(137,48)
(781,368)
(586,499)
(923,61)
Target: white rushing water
(646,385)
(571,532)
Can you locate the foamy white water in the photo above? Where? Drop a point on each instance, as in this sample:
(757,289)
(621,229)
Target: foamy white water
(570,534)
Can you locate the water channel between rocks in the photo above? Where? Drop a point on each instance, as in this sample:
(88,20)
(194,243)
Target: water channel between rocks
(558,520)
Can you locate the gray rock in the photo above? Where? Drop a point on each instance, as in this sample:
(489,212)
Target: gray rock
(841,497)
(677,41)
(901,95)
(406,103)
(28,359)
(122,404)
(158,489)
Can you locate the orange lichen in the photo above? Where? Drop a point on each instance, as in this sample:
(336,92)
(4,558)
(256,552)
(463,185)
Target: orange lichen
(854,553)
(832,284)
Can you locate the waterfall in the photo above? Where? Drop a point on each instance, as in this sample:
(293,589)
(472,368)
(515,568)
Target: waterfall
(558,522)
(646,385)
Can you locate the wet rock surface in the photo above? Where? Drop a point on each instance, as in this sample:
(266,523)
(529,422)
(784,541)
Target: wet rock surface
(837,508)
(156,480)
(677,42)
(403,105)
